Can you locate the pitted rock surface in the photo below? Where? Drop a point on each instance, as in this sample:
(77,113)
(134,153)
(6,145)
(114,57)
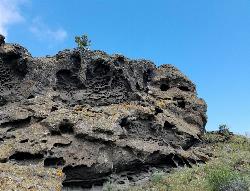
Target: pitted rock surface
(94,115)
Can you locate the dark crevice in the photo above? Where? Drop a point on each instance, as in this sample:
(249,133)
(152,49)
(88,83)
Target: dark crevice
(61,144)
(24,141)
(158,110)
(124,122)
(22,156)
(147,76)
(53,109)
(104,131)
(3,101)
(190,141)
(54,162)
(66,127)
(178,161)
(137,86)
(3,160)
(55,132)
(164,87)
(184,88)
(30,97)
(180,102)
(84,176)
(168,125)
(67,80)
(93,139)
(76,58)
(20,123)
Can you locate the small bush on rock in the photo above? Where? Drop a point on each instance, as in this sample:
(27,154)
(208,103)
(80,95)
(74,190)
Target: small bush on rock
(83,41)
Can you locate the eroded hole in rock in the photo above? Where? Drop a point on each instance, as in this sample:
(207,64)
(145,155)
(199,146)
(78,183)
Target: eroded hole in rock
(84,176)
(168,125)
(178,160)
(3,101)
(180,102)
(190,141)
(9,136)
(164,87)
(54,108)
(68,80)
(54,162)
(158,110)
(184,88)
(24,141)
(3,160)
(156,158)
(103,131)
(22,156)
(147,76)
(101,68)
(124,122)
(61,144)
(66,126)
(138,86)
(30,97)
(20,67)
(76,58)
(106,85)
(20,123)
(55,132)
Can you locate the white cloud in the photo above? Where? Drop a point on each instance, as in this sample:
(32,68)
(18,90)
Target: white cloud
(44,32)
(9,14)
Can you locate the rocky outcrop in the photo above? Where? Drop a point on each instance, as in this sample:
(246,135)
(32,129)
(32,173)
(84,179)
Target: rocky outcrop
(94,115)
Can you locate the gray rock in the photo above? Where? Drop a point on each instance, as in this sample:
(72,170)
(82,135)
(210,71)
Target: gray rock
(2,39)
(94,115)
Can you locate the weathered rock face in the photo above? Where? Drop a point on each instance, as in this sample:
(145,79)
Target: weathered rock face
(93,115)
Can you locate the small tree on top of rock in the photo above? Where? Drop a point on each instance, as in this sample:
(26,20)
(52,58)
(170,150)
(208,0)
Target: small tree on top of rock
(224,130)
(82,41)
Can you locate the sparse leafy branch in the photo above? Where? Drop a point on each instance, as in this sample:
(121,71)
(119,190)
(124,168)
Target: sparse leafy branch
(82,41)
(224,130)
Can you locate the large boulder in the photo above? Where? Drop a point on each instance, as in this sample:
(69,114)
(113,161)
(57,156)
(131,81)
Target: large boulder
(94,115)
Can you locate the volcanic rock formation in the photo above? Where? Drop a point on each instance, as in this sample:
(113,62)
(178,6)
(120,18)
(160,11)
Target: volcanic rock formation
(92,115)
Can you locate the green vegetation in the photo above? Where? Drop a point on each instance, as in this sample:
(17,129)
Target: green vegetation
(224,130)
(228,169)
(83,42)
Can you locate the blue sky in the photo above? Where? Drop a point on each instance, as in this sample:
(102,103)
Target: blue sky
(208,40)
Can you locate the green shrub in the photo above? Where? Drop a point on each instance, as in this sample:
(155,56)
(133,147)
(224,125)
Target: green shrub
(82,41)
(157,177)
(239,184)
(224,130)
(222,178)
